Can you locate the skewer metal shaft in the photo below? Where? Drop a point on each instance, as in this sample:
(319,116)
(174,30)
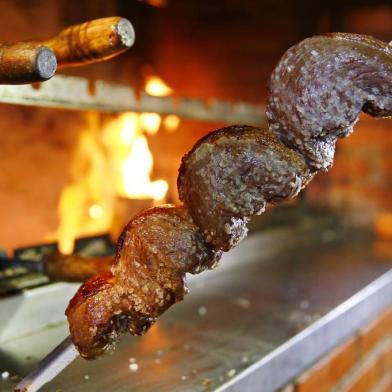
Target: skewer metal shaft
(53,364)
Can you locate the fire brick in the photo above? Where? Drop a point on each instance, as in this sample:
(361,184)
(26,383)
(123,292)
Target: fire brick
(367,378)
(358,364)
(331,369)
(377,330)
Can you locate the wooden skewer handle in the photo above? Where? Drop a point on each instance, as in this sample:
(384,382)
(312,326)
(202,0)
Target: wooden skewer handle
(92,41)
(25,62)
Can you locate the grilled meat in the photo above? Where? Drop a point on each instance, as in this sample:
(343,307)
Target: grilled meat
(230,174)
(154,252)
(317,92)
(320,87)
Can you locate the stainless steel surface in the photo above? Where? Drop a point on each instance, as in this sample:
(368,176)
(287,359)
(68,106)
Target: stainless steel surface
(316,340)
(242,325)
(32,310)
(76,93)
(49,367)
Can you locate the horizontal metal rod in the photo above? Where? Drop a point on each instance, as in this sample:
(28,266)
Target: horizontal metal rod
(68,92)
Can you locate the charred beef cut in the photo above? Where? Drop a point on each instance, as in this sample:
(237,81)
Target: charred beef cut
(316,94)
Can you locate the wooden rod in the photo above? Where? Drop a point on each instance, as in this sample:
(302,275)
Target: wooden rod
(25,62)
(93,41)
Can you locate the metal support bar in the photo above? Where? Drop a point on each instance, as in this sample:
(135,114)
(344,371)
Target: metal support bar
(68,92)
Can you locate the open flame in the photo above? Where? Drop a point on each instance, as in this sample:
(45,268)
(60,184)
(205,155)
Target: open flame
(133,161)
(108,163)
(157,87)
(171,122)
(151,122)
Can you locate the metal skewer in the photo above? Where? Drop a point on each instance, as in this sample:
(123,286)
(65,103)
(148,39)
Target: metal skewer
(53,364)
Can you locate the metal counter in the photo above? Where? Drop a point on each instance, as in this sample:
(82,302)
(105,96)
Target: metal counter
(277,303)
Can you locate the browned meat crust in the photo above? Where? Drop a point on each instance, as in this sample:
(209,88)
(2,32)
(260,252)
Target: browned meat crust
(317,91)
(319,88)
(154,252)
(230,174)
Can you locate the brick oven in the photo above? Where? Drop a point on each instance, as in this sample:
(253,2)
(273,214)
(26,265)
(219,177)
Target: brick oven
(303,304)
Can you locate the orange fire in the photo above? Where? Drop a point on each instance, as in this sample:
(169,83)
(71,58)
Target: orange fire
(86,203)
(157,87)
(157,3)
(150,122)
(171,122)
(111,162)
(132,159)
